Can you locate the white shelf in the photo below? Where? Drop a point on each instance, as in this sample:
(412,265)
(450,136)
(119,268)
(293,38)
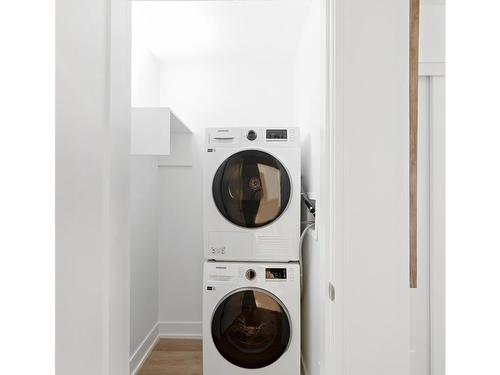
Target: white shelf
(152,129)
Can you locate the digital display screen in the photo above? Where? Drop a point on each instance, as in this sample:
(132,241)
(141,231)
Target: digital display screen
(275,273)
(276,134)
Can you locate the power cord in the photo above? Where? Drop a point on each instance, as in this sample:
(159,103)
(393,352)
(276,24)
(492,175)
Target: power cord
(308,203)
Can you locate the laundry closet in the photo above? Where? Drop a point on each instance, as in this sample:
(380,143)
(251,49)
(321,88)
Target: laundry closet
(243,65)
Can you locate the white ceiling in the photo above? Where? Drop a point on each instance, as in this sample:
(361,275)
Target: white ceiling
(219,31)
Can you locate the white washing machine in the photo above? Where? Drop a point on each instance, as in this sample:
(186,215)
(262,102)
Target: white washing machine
(252,194)
(251,318)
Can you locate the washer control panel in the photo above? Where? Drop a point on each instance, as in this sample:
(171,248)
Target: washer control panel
(251,135)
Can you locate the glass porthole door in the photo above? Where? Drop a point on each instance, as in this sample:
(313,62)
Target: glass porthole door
(251,329)
(251,188)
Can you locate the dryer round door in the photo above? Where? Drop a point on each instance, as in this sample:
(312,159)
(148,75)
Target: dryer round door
(251,328)
(251,188)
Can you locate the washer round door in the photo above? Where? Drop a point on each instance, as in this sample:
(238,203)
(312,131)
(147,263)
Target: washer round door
(251,188)
(251,328)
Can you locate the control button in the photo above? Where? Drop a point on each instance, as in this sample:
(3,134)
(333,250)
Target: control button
(252,135)
(250,274)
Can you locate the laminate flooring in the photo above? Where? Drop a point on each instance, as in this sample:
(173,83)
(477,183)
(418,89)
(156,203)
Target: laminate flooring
(174,357)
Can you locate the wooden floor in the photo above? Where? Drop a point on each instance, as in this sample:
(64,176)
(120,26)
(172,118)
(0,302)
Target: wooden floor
(174,357)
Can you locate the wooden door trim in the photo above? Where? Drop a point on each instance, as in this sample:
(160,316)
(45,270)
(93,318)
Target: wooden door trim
(414,57)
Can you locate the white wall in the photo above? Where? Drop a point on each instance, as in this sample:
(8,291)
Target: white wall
(242,93)
(92,137)
(145,77)
(309,114)
(143,248)
(308,95)
(144,212)
(203,95)
(180,247)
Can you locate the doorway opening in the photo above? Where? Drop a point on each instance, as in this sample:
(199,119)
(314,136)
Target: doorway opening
(201,64)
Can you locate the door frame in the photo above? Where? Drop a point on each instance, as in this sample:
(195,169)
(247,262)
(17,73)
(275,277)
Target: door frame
(437,282)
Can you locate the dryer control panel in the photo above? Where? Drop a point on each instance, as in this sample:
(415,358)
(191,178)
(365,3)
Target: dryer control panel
(252,137)
(275,273)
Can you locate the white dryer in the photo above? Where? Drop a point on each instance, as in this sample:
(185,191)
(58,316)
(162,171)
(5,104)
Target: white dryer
(251,318)
(252,194)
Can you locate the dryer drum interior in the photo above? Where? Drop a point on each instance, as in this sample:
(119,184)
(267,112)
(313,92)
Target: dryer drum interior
(251,328)
(251,188)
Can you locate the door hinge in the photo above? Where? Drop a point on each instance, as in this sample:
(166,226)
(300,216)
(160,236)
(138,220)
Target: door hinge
(331,291)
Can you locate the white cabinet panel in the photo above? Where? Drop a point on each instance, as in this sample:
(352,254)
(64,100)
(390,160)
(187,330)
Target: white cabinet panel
(370,265)
(152,128)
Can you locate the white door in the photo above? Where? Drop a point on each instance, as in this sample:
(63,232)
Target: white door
(371,310)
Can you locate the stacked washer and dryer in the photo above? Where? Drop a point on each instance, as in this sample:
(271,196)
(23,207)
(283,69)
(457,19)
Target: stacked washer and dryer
(251,289)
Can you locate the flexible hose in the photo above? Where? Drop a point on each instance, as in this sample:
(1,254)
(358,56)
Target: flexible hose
(301,241)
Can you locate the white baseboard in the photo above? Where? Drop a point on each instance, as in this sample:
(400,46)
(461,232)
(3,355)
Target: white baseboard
(183,330)
(144,349)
